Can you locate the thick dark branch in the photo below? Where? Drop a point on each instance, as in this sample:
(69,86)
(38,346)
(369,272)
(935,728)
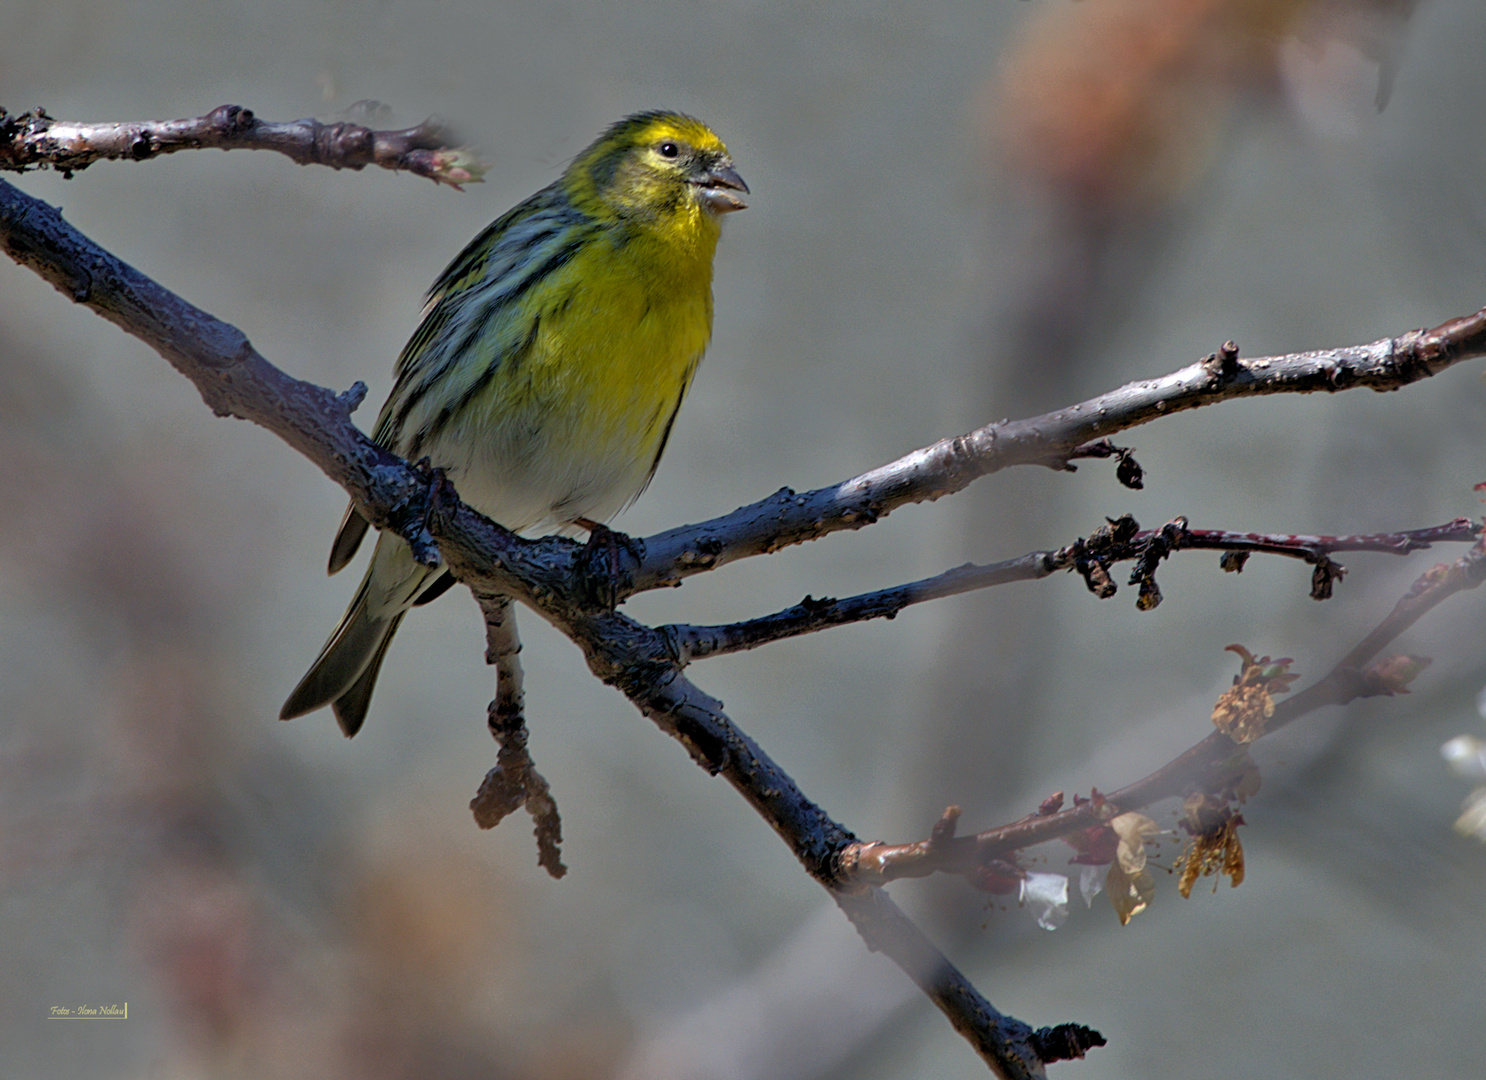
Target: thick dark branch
(1209,766)
(233,379)
(790,517)
(1008,1046)
(697,720)
(35,140)
(548,575)
(638,661)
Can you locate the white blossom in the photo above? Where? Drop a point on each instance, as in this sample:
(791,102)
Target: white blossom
(1047,896)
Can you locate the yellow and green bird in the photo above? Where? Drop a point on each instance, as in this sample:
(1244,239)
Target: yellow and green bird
(548,367)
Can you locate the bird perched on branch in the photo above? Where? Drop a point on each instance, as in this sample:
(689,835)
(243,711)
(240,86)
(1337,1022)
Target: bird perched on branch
(548,367)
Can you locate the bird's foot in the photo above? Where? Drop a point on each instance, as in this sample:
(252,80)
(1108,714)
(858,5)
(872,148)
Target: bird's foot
(601,537)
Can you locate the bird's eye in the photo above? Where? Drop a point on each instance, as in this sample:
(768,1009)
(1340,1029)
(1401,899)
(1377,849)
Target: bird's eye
(669,150)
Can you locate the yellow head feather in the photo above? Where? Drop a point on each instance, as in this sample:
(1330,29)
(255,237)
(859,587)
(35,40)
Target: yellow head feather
(654,165)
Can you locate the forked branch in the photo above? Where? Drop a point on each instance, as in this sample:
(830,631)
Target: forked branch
(642,662)
(1053,439)
(1210,766)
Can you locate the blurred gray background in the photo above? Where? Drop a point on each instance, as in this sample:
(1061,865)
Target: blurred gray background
(962,211)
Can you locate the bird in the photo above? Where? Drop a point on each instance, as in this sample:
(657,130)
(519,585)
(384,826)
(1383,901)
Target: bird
(547,369)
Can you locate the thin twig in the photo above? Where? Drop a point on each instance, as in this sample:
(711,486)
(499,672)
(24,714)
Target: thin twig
(34,140)
(811,614)
(1312,548)
(514,782)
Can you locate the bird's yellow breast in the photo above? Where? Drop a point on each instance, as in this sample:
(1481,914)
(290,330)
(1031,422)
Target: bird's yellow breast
(575,427)
(620,343)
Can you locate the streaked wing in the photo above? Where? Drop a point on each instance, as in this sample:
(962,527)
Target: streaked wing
(472,315)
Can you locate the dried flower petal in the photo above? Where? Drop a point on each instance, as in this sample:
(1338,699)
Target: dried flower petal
(1129,894)
(1090,883)
(1241,711)
(1214,847)
(1133,830)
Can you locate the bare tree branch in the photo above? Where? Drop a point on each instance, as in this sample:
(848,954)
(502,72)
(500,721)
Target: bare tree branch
(551,575)
(811,614)
(514,782)
(233,379)
(788,517)
(1211,765)
(637,660)
(35,140)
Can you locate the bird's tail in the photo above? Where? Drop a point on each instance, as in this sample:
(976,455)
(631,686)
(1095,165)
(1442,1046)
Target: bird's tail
(345,672)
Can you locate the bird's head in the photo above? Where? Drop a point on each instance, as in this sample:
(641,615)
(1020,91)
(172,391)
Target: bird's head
(657,165)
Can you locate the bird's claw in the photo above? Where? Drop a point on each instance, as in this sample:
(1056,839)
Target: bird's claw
(600,536)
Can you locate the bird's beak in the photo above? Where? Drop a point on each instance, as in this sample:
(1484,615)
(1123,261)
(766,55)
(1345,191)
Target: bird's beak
(720,186)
